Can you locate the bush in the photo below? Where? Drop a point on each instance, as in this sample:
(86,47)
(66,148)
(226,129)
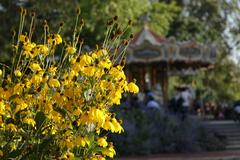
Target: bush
(149,132)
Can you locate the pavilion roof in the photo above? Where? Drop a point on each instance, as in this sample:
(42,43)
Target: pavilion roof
(148,47)
(145,34)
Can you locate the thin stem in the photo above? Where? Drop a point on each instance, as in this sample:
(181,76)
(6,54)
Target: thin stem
(80,48)
(17,46)
(75,31)
(108,33)
(31,28)
(20,56)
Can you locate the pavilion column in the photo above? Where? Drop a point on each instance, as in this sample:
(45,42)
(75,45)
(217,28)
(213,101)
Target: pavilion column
(129,73)
(164,84)
(142,77)
(154,76)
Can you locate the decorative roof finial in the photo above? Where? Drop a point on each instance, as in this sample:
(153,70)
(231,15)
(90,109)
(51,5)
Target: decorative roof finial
(145,18)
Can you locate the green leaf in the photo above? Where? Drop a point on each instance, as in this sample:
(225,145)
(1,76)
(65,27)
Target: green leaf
(60,110)
(39,119)
(13,154)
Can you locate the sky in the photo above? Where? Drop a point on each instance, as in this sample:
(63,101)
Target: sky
(233,38)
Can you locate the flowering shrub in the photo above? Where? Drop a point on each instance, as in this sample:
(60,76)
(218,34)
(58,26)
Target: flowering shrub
(156,133)
(59,108)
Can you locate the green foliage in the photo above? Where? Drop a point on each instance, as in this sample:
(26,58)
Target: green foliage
(223,80)
(95,14)
(208,21)
(202,20)
(219,84)
(161,16)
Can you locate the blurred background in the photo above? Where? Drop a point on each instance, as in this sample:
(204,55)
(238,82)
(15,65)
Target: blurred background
(215,88)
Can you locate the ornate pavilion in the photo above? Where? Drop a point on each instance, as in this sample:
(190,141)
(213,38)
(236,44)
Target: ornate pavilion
(151,59)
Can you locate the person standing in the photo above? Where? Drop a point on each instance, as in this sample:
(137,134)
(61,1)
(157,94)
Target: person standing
(186,102)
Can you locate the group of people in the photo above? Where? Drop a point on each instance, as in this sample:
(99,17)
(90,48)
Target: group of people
(182,101)
(146,101)
(185,100)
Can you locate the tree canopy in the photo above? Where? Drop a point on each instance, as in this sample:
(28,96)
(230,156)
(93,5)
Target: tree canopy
(95,14)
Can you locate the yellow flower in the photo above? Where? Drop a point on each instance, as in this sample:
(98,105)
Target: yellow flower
(58,38)
(85,60)
(77,112)
(70,50)
(36,79)
(1,122)
(101,52)
(29,46)
(117,73)
(55,39)
(43,49)
(101,158)
(97,115)
(52,70)
(108,126)
(35,67)
(102,142)
(21,106)
(17,73)
(105,64)
(29,121)
(55,116)
(67,156)
(110,152)
(23,38)
(68,143)
(89,71)
(115,96)
(133,88)
(1,73)
(117,127)
(11,127)
(54,83)
(13,146)
(2,108)
(18,88)
(97,157)
(1,153)
(82,141)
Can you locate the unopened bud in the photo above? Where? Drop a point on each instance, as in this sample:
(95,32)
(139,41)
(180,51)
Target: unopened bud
(45,22)
(131,36)
(24,12)
(81,22)
(115,18)
(21,10)
(33,14)
(118,32)
(110,22)
(130,22)
(125,42)
(61,24)
(78,11)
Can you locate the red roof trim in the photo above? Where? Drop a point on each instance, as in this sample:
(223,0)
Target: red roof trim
(157,37)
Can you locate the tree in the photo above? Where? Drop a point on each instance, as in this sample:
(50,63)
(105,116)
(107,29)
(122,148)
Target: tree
(95,14)
(207,22)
